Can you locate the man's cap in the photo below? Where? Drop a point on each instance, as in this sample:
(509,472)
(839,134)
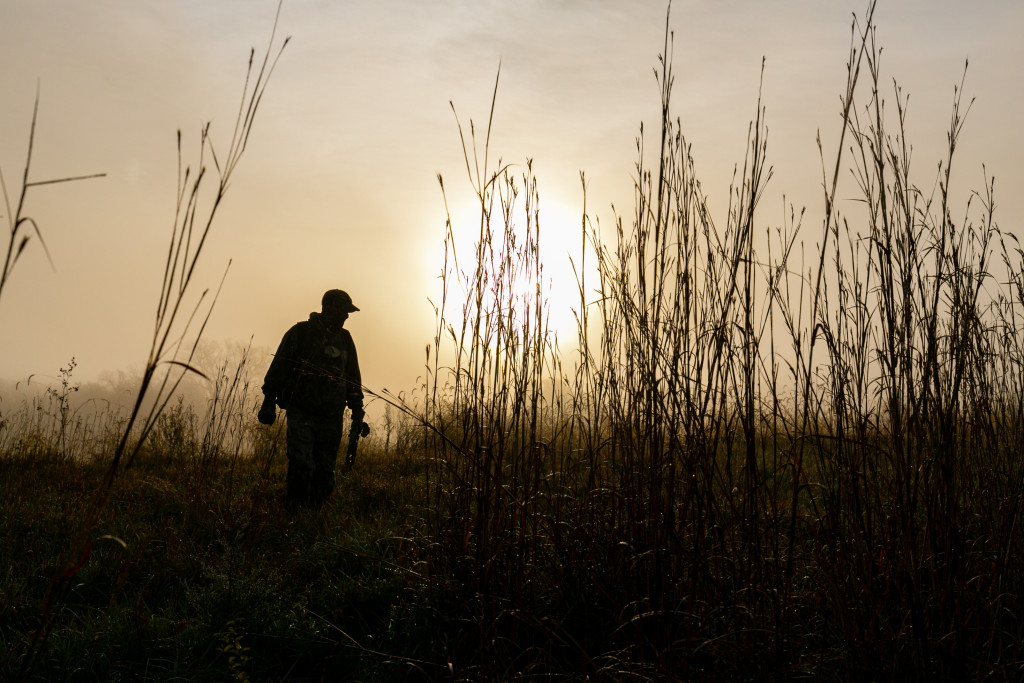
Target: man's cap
(339,298)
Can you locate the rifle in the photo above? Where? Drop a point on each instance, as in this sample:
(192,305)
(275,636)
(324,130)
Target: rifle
(358,429)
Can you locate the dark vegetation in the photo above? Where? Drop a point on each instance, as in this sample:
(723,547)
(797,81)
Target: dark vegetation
(770,459)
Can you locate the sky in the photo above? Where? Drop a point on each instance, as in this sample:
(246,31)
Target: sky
(338,187)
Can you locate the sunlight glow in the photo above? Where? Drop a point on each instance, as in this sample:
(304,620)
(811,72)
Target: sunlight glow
(560,244)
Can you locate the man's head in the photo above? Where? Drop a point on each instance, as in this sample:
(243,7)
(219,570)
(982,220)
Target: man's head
(336,306)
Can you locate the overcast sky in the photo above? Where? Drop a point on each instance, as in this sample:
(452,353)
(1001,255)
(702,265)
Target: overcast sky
(339,185)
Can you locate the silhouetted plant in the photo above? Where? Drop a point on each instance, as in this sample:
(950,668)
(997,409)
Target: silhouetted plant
(171,352)
(21,226)
(743,442)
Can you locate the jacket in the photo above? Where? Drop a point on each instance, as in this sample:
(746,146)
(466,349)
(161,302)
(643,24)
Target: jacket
(315,370)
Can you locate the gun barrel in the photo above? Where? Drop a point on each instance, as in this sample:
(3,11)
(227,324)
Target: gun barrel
(353,441)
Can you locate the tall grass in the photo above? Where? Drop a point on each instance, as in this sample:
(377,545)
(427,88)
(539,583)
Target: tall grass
(54,425)
(176,329)
(757,465)
(21,226)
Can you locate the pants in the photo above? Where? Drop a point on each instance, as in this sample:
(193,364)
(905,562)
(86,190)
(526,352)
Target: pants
(313,444)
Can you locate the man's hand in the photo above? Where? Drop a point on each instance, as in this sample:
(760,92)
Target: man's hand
(357,430)
(268,412)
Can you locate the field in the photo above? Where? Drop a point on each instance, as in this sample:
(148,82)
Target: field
(772,452)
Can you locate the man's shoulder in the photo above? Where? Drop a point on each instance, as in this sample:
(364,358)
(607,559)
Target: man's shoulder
(300,326)
(297,333)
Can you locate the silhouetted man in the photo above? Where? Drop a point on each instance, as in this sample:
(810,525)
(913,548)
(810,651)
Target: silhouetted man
(314,376)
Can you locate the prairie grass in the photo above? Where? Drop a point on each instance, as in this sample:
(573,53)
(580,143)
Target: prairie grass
(212,568)
(762,463)
(177,331)
(22,227)
(758,462)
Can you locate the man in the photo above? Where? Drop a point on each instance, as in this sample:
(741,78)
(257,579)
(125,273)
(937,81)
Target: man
(314,376)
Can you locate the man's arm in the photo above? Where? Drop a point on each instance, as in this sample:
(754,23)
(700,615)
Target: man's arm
(354,388)
(280,365)
(277,376)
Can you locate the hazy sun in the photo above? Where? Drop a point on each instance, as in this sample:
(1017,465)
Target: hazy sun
(559,249)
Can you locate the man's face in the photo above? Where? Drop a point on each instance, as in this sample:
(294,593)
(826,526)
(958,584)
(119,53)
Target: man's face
(334,315)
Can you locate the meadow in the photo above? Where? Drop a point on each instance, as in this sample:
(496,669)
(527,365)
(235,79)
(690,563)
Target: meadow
(772,452)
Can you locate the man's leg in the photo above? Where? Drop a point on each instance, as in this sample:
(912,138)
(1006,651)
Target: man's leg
(301,439)
(325,454)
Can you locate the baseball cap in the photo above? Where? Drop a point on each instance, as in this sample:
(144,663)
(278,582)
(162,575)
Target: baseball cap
(339,298)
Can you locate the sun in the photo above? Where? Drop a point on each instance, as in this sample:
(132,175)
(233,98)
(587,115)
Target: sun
(513,253)
(569,266)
